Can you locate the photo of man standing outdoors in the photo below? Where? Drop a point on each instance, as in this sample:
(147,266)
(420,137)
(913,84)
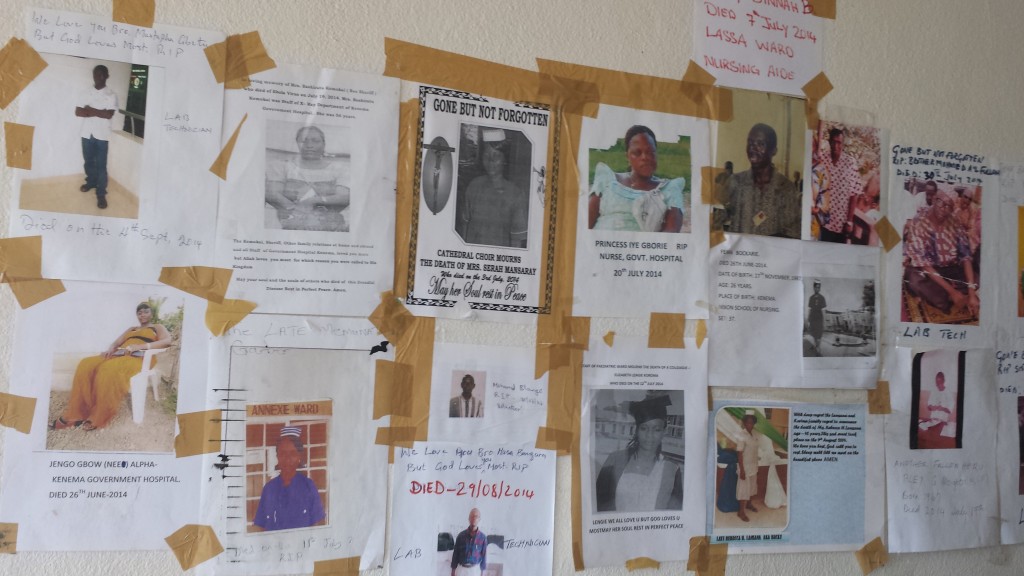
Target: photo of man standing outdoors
(97,107)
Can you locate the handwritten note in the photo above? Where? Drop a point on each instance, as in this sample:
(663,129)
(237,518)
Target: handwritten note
(770,45)
(439,488)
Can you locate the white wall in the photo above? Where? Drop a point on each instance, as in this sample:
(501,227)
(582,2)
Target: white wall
(942,73)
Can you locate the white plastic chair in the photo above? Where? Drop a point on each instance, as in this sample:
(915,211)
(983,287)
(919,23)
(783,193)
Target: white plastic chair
(145,378)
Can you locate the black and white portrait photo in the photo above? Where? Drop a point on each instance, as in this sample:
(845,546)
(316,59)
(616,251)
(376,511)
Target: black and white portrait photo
(839,317)
(308,174)
(638,450)
(494,183)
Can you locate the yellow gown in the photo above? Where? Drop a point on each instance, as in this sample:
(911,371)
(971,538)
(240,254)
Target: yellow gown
(100,383)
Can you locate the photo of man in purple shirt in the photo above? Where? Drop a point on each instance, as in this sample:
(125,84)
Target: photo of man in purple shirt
(290,500)
(470,555)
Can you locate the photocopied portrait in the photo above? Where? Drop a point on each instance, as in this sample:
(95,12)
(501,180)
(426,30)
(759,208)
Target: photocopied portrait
(638,450)
(470,388)
(839,317)
(493,194)
(308,174)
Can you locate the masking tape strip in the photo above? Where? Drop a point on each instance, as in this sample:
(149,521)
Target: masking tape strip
(17,412)
(644,92)
(391,317)
(570,96)
(824,8)
(696,74)
(220,165)
(641,563)
(402,436)
(18,140)
(711,400)
(873,555)
(702,332)
(707,559)
(666,330)
(878,399)
(577,556)
(202,281)
(416,63)
(815,90)
(392,389)
(19,66)
(711,191)
(8,538)
(32,291)
(558,327)
(21,257)
(238,57)
(135,12)
(199,433)
(887,234)
(194,544)
(221,317)
(338,567)
(554,439)
(609,338)
(405,194)
(698,86)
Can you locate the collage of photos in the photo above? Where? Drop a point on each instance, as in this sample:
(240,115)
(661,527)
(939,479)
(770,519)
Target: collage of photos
(846,162)
(752,477)
(937,408)
(286,465)
(761,153)
(942,279)
(308,176)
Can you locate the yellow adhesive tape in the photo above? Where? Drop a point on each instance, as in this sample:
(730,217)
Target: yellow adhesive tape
(817,87)
(609,338)
(702,332)
(878,399)
(8,538)
(391,317)
(716,238)
(135,12)
(707,559)
(402,436)
(19,145)
(711,191)
(666,330)
(711,400)
(823,8)
(873,555)
(644,92)
(392,390)
(887,234)
(220,165)
(338,567)
(238,57)
(17,412)
(416,63)
(221,317)
(33,291)
(577,553)
(194,544)
(199,433)
(641,563)
(202,281)
(405,193)
(21,258)
(19,66)
(570,96)
(554,439)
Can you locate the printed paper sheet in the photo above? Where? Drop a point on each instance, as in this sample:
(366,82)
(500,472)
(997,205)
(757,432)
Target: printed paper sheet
(118,486)
(306,213)
(152,156)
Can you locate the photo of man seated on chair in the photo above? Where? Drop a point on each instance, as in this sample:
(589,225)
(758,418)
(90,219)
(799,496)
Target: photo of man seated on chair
(100,395)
